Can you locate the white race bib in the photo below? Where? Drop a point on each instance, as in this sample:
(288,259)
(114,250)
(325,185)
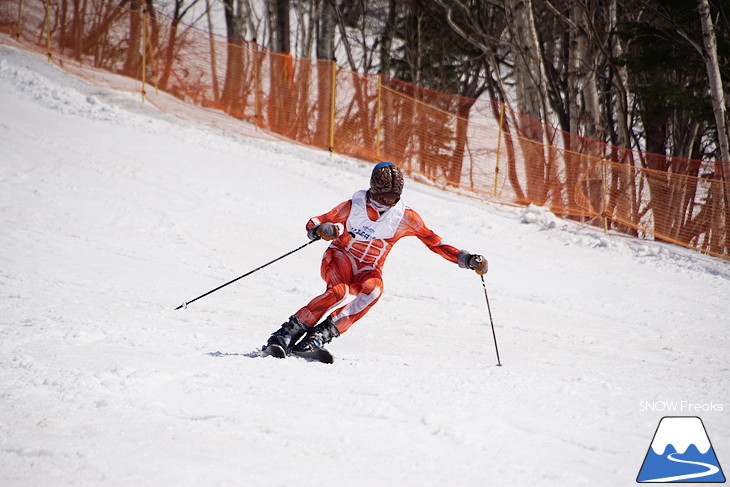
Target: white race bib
(360,224)
(368,246)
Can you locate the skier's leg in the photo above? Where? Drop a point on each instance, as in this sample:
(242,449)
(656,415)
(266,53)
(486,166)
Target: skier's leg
(368,287)
(336,270)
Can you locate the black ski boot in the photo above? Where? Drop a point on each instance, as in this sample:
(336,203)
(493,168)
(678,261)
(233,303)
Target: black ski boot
(281,341)
(312,345)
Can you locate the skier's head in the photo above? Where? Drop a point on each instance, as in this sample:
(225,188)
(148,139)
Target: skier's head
(386,184)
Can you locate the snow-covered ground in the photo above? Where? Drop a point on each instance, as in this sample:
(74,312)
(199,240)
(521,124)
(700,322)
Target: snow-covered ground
(112,214)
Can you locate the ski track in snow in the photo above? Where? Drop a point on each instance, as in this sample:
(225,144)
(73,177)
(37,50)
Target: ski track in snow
(113,214)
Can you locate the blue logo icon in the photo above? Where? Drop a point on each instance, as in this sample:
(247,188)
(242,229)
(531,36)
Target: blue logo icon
(681,452)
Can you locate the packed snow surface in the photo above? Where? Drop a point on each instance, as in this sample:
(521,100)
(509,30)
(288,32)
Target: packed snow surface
(113,213)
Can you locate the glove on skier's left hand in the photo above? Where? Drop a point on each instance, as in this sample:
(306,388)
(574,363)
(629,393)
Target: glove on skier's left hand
(478,263)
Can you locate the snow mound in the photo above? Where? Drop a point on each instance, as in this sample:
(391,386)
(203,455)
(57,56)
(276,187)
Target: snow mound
(540,216)
(58,95)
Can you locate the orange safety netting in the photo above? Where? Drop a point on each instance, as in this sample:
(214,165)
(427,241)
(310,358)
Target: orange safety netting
(475,147)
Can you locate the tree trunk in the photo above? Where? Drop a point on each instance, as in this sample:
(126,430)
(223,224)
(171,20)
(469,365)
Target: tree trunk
(584,106)
(231,94)
(532,97)
(386,39)
(720,219)
(282,42)
(713,74)
(133,61)
(282,109)
(325,54)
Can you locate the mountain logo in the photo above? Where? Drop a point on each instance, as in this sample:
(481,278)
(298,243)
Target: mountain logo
(680,452)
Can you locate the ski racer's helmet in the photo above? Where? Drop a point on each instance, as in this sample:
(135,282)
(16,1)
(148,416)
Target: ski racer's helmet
(386,184)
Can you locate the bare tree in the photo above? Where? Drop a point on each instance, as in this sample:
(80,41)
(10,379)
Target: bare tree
(715,80)
(326,30)
(237,14)
(280,26)
(179,11)
(719,111)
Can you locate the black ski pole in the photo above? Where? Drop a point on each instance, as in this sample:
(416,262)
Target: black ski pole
(494,335)
(185,305)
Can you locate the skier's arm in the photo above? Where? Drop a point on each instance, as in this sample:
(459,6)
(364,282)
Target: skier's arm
(430,239)
(318,226)
(463,258)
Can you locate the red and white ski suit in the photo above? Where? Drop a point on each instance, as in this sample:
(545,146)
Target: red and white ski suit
(353,262)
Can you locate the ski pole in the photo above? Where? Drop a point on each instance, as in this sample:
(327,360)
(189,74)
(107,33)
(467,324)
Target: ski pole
(489,309)
(185,304)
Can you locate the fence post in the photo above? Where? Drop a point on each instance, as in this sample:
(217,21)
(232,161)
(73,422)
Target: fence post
(380,114)
(499,148)
(332,105)
(48,29)
(604,196)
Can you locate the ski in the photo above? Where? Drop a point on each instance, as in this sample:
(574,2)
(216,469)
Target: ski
(319,355)
(274,350)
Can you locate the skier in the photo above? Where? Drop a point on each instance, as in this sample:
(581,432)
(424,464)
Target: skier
(374,220)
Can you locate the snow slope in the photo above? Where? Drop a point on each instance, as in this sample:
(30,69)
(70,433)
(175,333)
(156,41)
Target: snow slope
(112,214)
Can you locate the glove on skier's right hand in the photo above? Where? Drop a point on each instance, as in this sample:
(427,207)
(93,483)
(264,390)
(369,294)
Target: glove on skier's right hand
(327,231)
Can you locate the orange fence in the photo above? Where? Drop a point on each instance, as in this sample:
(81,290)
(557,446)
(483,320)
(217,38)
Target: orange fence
(473,147)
